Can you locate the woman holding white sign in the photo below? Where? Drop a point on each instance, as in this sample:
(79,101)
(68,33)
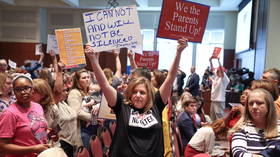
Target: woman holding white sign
(139,126)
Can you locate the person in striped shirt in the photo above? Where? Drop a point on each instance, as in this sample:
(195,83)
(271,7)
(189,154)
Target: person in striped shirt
(258,128)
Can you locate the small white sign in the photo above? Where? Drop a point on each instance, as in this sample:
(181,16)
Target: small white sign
(12,64)
(38,49)
(52,44)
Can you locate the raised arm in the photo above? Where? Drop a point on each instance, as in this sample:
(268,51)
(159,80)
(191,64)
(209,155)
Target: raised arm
(211,65)
(130,56)
(118,72)
(109,92)
(165,89)
(42,55)
(58,84)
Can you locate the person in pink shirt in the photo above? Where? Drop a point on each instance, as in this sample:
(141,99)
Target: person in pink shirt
(23,128)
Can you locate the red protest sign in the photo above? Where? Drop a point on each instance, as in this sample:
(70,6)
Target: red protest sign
(183,19)
(149,59)
(216,52)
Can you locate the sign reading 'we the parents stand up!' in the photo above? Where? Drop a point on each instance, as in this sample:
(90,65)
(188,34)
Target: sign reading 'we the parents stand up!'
(181,18)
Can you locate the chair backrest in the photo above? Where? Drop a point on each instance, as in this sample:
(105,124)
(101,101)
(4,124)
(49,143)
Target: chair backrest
(112,128)
(106,138)
(83,152)
(96,147)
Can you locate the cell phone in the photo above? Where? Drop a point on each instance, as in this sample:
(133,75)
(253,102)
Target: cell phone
(54,131)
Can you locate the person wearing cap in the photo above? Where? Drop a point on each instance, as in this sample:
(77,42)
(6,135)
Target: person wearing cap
(218,91)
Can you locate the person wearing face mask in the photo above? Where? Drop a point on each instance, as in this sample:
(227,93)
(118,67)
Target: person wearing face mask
(138,113)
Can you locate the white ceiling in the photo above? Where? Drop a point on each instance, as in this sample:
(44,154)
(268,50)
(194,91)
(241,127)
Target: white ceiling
(143,5)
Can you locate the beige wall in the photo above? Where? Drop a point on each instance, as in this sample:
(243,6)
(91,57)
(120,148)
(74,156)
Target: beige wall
(273,38)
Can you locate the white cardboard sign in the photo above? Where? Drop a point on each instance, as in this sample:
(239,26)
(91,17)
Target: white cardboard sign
(52,44)
(38,49)
(12,64)
(114,28)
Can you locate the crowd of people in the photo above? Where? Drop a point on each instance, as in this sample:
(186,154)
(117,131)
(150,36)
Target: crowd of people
(156,114)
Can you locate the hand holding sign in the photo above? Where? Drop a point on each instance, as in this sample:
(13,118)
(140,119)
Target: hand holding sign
(91,54)
(182,18)
(182,44)
(116,52)
(114,28)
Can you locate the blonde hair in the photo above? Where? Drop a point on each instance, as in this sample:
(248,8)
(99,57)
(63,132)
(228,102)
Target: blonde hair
(3,78)
(109,75)
(43,88)
(150,90)
(271,127)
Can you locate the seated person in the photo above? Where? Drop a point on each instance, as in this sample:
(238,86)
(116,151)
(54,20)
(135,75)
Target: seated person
(204,139)
(258,128)
(186,120)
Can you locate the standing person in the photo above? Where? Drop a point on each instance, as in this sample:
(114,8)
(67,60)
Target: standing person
(69,136)
(6,94)
(192,85)
(258,128)
(218,91)
(80,100)
(23,128)
(139,126)
(178,83)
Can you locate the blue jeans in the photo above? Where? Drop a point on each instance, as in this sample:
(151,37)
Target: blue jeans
(86,134)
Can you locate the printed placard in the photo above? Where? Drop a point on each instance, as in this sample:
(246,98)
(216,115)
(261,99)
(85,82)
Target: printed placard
(114,28)
(149,59)
(12,64)
(144,120)
(70,45)
(52,44)
(105,112)
(183,19)
(38,49)
(216,52)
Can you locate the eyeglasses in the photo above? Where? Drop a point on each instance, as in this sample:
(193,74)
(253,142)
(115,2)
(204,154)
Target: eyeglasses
(21,89)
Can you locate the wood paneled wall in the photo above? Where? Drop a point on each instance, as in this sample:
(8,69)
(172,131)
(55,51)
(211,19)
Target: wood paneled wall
(18,52)
(229,58)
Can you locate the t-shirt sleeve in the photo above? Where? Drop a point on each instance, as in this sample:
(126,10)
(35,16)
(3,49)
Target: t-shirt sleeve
(7,124)
(119,102)
(159,102)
